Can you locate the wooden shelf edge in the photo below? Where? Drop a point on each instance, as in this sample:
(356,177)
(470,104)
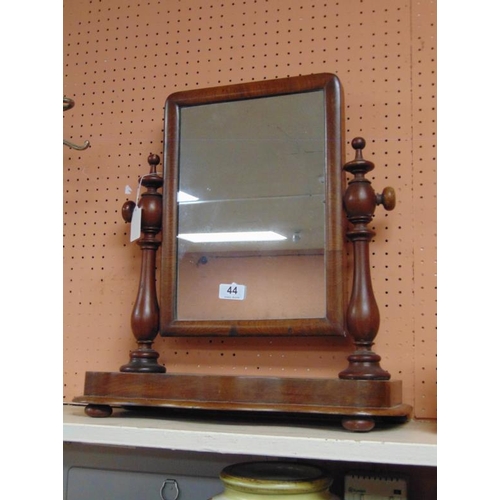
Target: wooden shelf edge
(413,443)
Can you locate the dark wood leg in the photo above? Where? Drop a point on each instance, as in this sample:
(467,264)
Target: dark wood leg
(98,411)
(358,424)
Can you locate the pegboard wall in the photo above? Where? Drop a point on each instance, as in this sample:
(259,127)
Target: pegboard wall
(121,61)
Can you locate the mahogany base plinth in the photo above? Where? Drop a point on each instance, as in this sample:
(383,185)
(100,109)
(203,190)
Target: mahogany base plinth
(358,403)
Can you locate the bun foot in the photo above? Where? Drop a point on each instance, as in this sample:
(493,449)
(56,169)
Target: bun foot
(359,424)
(98,411)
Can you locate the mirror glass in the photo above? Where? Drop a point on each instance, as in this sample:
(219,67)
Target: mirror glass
(251,174)
(254,166)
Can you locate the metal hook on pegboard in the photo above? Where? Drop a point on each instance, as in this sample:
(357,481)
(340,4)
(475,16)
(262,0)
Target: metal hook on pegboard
(68,104)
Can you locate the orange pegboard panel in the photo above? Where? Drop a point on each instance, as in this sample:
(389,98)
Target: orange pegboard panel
(122,60)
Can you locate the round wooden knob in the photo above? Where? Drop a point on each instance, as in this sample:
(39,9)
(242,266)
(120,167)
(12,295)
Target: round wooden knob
(127,210)
(153,161)
(358,143)
(387,199)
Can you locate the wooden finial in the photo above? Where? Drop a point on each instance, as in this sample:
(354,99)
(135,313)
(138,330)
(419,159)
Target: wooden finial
(358,143)
(153,161)
(359,165)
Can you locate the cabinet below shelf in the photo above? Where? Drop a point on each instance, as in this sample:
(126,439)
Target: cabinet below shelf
(411,443)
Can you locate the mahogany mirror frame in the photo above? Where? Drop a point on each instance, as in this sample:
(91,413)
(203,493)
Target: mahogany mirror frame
(333,324)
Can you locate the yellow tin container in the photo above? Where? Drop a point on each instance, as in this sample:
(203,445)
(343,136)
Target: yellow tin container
(274,481)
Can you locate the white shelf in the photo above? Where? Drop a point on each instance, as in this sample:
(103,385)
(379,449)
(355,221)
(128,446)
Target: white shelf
(412,443)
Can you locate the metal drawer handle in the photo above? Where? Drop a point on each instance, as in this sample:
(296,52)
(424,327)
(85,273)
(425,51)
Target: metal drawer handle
(169,490)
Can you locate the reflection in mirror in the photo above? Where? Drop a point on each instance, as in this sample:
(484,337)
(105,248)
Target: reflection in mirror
(256,171)
(253,223)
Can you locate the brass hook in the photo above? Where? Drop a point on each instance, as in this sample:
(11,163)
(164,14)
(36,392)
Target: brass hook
(86,144)
(68,104)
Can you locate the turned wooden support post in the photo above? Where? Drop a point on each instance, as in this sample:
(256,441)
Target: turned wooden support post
(363,317)
(146,312)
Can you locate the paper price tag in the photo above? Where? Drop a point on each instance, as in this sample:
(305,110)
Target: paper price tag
(232,291)
(135,224)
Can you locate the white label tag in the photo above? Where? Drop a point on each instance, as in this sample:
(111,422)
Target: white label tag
(232,291)
(135,224)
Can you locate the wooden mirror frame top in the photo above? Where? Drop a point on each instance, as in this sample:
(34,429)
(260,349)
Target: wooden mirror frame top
(335,270)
